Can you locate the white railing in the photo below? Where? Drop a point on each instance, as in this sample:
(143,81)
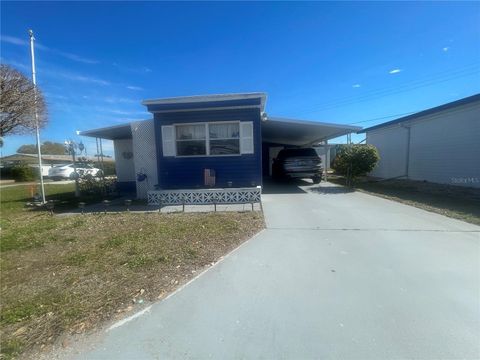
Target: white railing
(205,196)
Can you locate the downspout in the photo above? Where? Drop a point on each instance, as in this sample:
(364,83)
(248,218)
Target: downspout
(407,156)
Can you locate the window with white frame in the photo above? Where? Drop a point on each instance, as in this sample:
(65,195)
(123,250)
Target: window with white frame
(208,139)
(224,138)
(191,140)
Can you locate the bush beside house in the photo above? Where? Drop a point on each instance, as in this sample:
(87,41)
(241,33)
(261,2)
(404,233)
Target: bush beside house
(355,160)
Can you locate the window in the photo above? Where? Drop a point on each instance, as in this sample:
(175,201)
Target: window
(224,139)
(191,140)
(208,139)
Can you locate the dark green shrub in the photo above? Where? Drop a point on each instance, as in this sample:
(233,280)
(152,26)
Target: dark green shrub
(23,172)
(353,161)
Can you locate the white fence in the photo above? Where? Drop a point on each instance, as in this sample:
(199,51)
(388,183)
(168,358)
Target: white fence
(205,196)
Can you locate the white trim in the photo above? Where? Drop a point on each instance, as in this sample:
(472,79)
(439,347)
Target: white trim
(207,109)
(310,122)
(204,98)
(205,196)
(168,144)
(250,139)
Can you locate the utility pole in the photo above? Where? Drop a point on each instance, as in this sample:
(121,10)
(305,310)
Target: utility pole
(39,151)
(71,148)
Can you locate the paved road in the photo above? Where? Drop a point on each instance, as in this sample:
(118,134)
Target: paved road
(46,182)
(336,275)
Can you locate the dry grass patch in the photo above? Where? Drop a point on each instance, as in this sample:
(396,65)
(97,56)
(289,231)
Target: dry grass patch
(69,274)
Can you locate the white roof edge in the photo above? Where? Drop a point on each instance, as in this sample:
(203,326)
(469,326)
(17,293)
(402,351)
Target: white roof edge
(202,98)
(84,132)
(311,122)
(113,127)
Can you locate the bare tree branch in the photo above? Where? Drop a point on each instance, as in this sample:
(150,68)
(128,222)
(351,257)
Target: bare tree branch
(17,103)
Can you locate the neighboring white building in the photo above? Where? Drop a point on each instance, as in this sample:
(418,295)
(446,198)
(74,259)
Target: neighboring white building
(440,145)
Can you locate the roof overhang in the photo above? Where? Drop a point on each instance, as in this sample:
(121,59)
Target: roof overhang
(301,132)
(116,132)
(420,115)
(207,102)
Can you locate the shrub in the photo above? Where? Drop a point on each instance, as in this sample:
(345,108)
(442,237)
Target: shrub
(23,172)
(353,161)
(96,185)
(109,167)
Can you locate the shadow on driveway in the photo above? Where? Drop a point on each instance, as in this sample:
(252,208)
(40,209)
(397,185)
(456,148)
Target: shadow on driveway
(327,189)
(284,187)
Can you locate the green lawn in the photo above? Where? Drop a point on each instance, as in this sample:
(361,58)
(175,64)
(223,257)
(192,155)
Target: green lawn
(63,275)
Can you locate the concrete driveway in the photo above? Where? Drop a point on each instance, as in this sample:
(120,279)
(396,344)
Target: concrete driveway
(336,275)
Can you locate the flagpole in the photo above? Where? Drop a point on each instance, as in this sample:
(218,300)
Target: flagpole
(39,152)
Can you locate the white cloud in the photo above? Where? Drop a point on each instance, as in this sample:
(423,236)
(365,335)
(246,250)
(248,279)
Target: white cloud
(121,112)
(55,96)
(13,40)
(21,42)
(75,57)
(82,78)
(135,88)
(446,48)
(56,73)
(115,99)
(356,85)
(394,71)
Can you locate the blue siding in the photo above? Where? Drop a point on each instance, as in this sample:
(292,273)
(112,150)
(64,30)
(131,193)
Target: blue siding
(126,186)
(241,170)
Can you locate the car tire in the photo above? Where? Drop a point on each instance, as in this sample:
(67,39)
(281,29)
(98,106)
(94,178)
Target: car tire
(316,179)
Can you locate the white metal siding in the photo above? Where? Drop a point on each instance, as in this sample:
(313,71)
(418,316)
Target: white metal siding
(444,147)
(392,145)
(124,167)
(145,154)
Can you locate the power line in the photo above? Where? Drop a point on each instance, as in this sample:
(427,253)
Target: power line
(384,117)
(400,89)
(438,75)
(377,93)
(447,71)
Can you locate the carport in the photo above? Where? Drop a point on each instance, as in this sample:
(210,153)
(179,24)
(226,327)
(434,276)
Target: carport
(279,133)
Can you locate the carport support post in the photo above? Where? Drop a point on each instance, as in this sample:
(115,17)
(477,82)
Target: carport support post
(326,160)
(77,191)
(103,167)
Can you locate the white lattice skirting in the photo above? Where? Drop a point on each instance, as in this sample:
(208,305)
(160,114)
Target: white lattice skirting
(204,196)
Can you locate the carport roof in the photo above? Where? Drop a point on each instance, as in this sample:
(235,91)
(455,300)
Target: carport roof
(301,132)
(116,132)
(275,130)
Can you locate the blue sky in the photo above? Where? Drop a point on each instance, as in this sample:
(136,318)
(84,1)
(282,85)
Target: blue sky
(331,61)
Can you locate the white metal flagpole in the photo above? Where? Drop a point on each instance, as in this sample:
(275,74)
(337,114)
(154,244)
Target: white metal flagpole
(37,128)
